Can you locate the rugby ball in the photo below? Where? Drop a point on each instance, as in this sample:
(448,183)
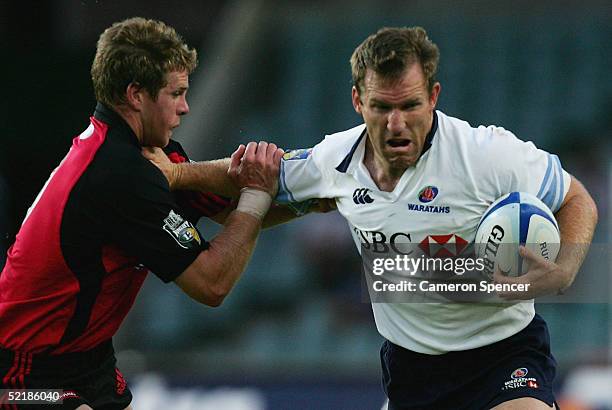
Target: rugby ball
(517,218)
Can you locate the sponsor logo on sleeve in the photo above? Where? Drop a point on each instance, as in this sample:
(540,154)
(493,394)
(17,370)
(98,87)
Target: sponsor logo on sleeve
(182,231)
(297,154)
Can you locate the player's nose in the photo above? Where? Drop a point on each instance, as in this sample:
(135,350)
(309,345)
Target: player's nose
(395,122)
(183,107)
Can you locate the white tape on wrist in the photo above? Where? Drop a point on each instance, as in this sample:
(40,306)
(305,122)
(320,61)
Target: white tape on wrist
(254,202)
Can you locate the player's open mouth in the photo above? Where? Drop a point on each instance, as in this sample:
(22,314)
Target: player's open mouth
(396,143)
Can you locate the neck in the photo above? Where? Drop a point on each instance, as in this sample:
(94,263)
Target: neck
(132,118)
(383,174)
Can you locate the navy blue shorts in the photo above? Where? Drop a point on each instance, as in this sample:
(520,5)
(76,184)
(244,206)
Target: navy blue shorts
(519,366)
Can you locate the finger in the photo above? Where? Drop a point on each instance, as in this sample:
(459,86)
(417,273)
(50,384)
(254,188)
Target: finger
(278,154)
(499,277)
(527,253)
(262,151)
(271,150)
(250,152)
(237,156)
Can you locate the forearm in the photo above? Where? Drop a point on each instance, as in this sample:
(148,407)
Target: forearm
(206,176)
(230,251)
(577,219)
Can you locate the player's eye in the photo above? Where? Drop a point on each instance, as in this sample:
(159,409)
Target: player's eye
(381,107)
(410,106)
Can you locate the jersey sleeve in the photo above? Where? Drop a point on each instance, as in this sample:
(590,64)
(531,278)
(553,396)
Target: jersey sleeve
(302,178)
(140,214)
(529,169)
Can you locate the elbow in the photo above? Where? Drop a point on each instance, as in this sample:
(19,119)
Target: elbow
(214,299)
(214,294)
(216,302)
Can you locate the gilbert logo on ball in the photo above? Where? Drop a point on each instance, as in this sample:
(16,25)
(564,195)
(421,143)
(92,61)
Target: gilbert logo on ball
(517,218)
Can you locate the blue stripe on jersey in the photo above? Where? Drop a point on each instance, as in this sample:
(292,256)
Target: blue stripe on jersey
(550,192)
(284,195)
(561,188)
(546,177)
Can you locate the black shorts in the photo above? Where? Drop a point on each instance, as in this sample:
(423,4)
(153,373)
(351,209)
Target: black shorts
(88,377)
(519,366)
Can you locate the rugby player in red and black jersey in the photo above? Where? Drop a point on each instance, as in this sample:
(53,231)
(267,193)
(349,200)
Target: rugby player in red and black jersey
(106,216)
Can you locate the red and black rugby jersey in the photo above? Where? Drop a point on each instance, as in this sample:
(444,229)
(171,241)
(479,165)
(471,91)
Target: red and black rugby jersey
(103,219)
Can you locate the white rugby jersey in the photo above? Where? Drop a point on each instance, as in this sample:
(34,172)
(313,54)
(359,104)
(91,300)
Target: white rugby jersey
(461,172)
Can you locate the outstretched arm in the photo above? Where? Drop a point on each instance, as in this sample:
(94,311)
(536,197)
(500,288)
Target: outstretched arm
(212,176)
(209,176)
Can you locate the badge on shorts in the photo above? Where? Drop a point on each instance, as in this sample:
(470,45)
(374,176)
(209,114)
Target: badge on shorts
(182,231)
(518,379)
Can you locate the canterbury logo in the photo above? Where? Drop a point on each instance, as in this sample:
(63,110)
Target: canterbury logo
(362,196)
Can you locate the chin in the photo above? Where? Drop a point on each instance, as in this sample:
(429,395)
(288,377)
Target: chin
(402,163)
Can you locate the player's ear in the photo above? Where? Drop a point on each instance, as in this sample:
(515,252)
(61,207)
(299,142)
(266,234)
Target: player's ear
(356,98)
(435,93)
(134,94)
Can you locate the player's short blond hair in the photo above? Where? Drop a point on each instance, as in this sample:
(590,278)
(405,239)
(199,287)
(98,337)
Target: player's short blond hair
(391,50)
(140,51)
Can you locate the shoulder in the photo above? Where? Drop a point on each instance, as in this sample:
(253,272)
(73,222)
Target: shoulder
(333,149)
(482,142)
(119,167)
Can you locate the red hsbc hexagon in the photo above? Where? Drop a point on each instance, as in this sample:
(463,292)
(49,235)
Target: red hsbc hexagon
(443,246)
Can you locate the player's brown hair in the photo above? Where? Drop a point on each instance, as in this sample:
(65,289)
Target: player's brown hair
(391,50)
(140,51)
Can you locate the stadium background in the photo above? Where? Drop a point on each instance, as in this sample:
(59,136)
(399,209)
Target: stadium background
(294,334)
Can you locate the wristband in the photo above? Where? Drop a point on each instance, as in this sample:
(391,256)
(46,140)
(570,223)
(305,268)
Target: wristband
(254,202)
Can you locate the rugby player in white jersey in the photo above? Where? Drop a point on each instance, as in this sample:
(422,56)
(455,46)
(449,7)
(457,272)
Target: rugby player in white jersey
(381,173)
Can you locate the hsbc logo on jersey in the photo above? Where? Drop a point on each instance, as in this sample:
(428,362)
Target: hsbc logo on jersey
(443,246)
(378,242)
(182,231)
(362,196)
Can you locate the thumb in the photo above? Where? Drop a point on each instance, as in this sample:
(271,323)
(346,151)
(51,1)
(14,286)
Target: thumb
(237,156)
(527,253)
